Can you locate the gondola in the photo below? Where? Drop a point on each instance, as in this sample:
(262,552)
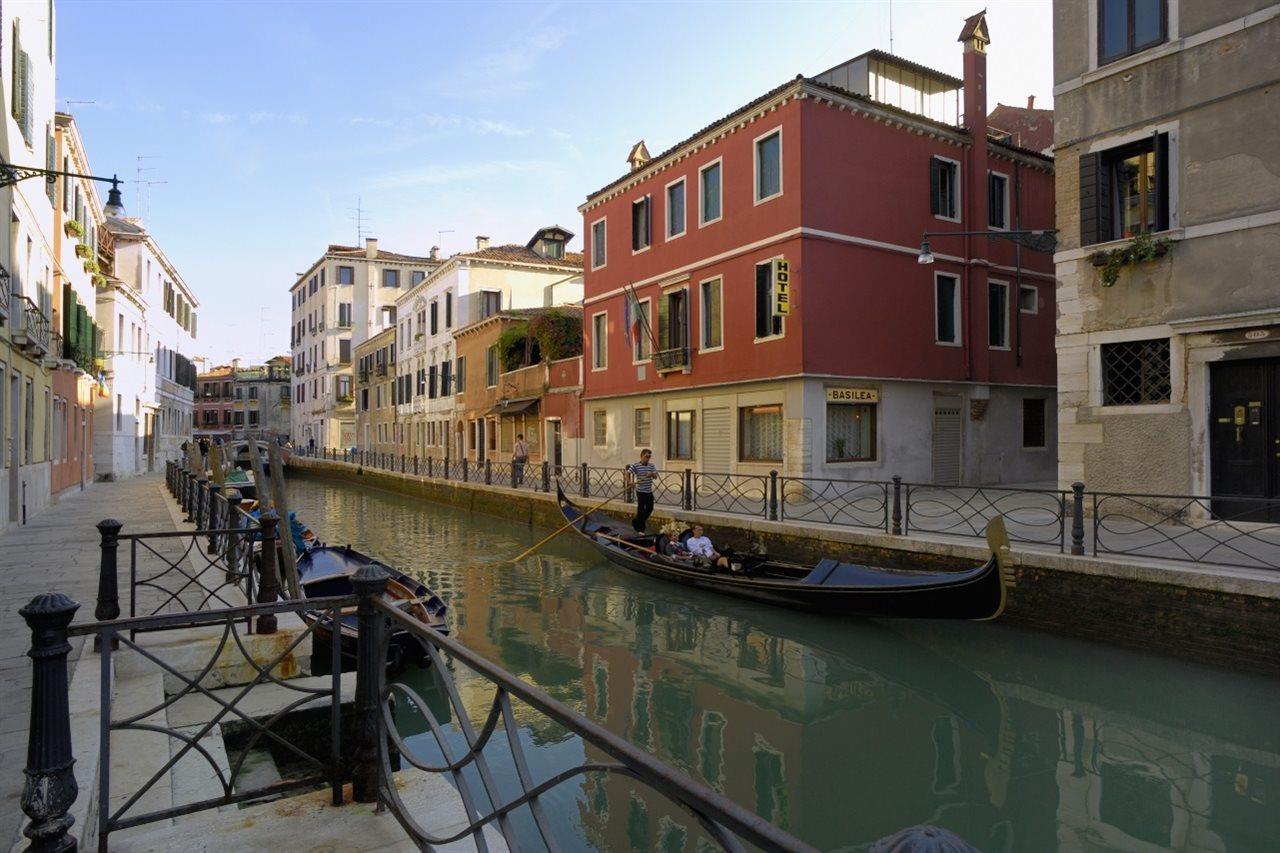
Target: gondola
(326,571)
(831,586)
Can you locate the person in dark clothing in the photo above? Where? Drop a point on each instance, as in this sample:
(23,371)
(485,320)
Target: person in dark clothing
(641,474)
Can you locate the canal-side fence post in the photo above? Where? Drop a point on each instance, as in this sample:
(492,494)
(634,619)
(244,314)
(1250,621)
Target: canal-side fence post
(370,583)
(773,495)
(687,489)
(50,787)
(202,502)
(488,471)
(415,464)
(268,570)
(190,491)
(546,475)
(1077,519)
(897,505)
(466,477)
(430,465)
(215,516)
(232,539)
(586,481)
(108,578)
(401,463)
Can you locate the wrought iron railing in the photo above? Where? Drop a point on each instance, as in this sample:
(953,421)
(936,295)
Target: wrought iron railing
(490,807)
(1216,530)
(675,358)
(30,322)
(6,292)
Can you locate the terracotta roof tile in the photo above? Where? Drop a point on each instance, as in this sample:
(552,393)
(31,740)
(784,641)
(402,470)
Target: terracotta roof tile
(1025,127)
(515,253)
(383,255)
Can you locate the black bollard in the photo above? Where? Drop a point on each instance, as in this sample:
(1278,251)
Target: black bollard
(108,583)
(268,571)
(50,787)
(370,583)
(1077,519)
(897,505)
(773,495)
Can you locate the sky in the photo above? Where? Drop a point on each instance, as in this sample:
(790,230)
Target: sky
(250,131)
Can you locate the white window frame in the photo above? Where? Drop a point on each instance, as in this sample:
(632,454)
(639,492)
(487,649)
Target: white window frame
(1035,291)
(602,221)
(755,171)
(635,439)
(1005,206)
(667,236)
(772,295)
(959,197)
(957,310)
(647,198)
(646,308)
(605,414)
(702,314)
(1007,330)
(599,352)
(702,221)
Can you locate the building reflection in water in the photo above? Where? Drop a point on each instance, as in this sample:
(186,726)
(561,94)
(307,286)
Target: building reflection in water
(841,731)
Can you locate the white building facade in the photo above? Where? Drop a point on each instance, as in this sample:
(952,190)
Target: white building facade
(467,288)
(148,314)
(348,295)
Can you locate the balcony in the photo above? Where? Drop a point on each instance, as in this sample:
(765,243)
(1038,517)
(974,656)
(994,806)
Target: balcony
(6,293)
(56,348)
(363,376)
(380,369)
(667,360)
(30,326)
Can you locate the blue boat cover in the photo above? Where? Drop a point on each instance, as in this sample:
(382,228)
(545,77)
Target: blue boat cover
(830,572)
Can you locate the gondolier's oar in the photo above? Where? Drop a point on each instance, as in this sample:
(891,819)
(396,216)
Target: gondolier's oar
(562,529)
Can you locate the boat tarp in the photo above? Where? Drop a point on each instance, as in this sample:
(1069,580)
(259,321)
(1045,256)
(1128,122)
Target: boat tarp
(830,572)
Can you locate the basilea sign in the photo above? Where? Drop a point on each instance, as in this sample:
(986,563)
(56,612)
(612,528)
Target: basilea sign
(853,395)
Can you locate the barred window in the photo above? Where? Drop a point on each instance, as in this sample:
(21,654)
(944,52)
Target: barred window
(1135,372)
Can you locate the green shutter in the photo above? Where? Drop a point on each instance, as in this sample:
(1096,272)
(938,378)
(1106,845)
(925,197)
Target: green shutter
(664,322)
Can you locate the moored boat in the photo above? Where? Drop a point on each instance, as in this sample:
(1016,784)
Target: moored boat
(326,571)
(830,586)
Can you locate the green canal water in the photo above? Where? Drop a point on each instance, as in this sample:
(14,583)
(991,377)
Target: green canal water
(840,730)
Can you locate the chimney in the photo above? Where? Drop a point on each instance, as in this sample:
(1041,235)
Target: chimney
(371,247)
(482,242)
(435,253)
(1031,102)
(639,157)
(975,39)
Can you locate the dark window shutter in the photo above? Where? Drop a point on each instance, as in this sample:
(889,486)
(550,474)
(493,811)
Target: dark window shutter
(935,180)
(1163,177)
(648,221)
(764,319)
(1095,200)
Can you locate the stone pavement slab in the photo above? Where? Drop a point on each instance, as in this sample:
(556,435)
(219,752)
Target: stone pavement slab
(57,551)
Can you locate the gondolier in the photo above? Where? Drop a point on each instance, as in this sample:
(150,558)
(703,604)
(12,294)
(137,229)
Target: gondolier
(641,474)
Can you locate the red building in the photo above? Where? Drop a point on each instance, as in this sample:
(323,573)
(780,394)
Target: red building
(785,321)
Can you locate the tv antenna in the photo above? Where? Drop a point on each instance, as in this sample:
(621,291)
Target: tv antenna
(891,26)
(362,222)
(67,102)
(440,240)
(144,185)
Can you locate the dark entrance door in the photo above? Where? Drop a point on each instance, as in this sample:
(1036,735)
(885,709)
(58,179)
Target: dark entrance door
(1244,451)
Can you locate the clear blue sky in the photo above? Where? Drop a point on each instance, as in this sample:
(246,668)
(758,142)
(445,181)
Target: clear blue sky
(266,120)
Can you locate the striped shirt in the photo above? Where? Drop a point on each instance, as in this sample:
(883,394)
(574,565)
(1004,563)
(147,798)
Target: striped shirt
(644,473)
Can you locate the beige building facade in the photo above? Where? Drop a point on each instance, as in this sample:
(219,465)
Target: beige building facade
(1168,207)
(376,427)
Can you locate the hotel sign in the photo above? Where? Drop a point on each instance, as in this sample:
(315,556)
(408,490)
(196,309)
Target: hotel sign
(781,286)
(853,395)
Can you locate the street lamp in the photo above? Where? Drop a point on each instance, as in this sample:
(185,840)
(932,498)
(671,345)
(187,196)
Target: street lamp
(11,174)
(1037,240)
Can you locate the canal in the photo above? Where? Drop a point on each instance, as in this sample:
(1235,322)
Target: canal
(842,731)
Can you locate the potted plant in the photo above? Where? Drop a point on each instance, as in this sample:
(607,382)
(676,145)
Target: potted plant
(91,266)
(99,280)
(82,250)
(840,448)
(73,228)
(1140,249)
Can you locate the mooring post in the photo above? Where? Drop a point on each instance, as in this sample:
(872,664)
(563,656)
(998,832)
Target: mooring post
(268,571)
(232,539)
(430,464)
(546,475)
(415,464)
(488,471)
(108,583)
(50,787)
(202,502)
(897,505)
(773,495)
(370,583)
(215,519)
(688,489)
(1077,519)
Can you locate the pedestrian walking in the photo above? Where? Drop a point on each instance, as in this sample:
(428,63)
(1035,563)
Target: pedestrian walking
(519,456)
(641,473)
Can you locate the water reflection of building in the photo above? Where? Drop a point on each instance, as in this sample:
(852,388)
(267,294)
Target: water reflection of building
(845,731)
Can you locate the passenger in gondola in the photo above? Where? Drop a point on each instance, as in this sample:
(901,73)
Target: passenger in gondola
(669,545)
(700,546)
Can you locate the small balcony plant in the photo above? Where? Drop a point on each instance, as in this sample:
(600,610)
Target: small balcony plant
(82,250)
(73,228)
(1140,249)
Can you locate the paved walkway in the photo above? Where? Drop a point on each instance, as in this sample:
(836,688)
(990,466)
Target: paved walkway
(57,551)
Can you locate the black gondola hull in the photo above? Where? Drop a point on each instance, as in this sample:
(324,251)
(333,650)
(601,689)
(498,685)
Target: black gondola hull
(977,593)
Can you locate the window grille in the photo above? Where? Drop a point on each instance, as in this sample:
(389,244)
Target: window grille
(1135,372)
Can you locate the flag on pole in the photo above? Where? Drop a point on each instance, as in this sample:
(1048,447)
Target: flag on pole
(631,313)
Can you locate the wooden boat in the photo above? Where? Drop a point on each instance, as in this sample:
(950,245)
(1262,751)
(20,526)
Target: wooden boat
(326,571)
(831,586)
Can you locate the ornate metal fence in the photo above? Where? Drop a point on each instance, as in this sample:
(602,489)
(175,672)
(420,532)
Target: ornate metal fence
(848,503)
(1198,529)
(1031,515)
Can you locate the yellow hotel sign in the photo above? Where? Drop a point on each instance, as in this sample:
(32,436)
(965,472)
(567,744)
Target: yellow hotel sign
(781,286)
(853,395)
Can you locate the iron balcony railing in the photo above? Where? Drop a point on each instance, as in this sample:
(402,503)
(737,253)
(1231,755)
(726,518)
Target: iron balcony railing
(676,358)
(31,328)
(6,293)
